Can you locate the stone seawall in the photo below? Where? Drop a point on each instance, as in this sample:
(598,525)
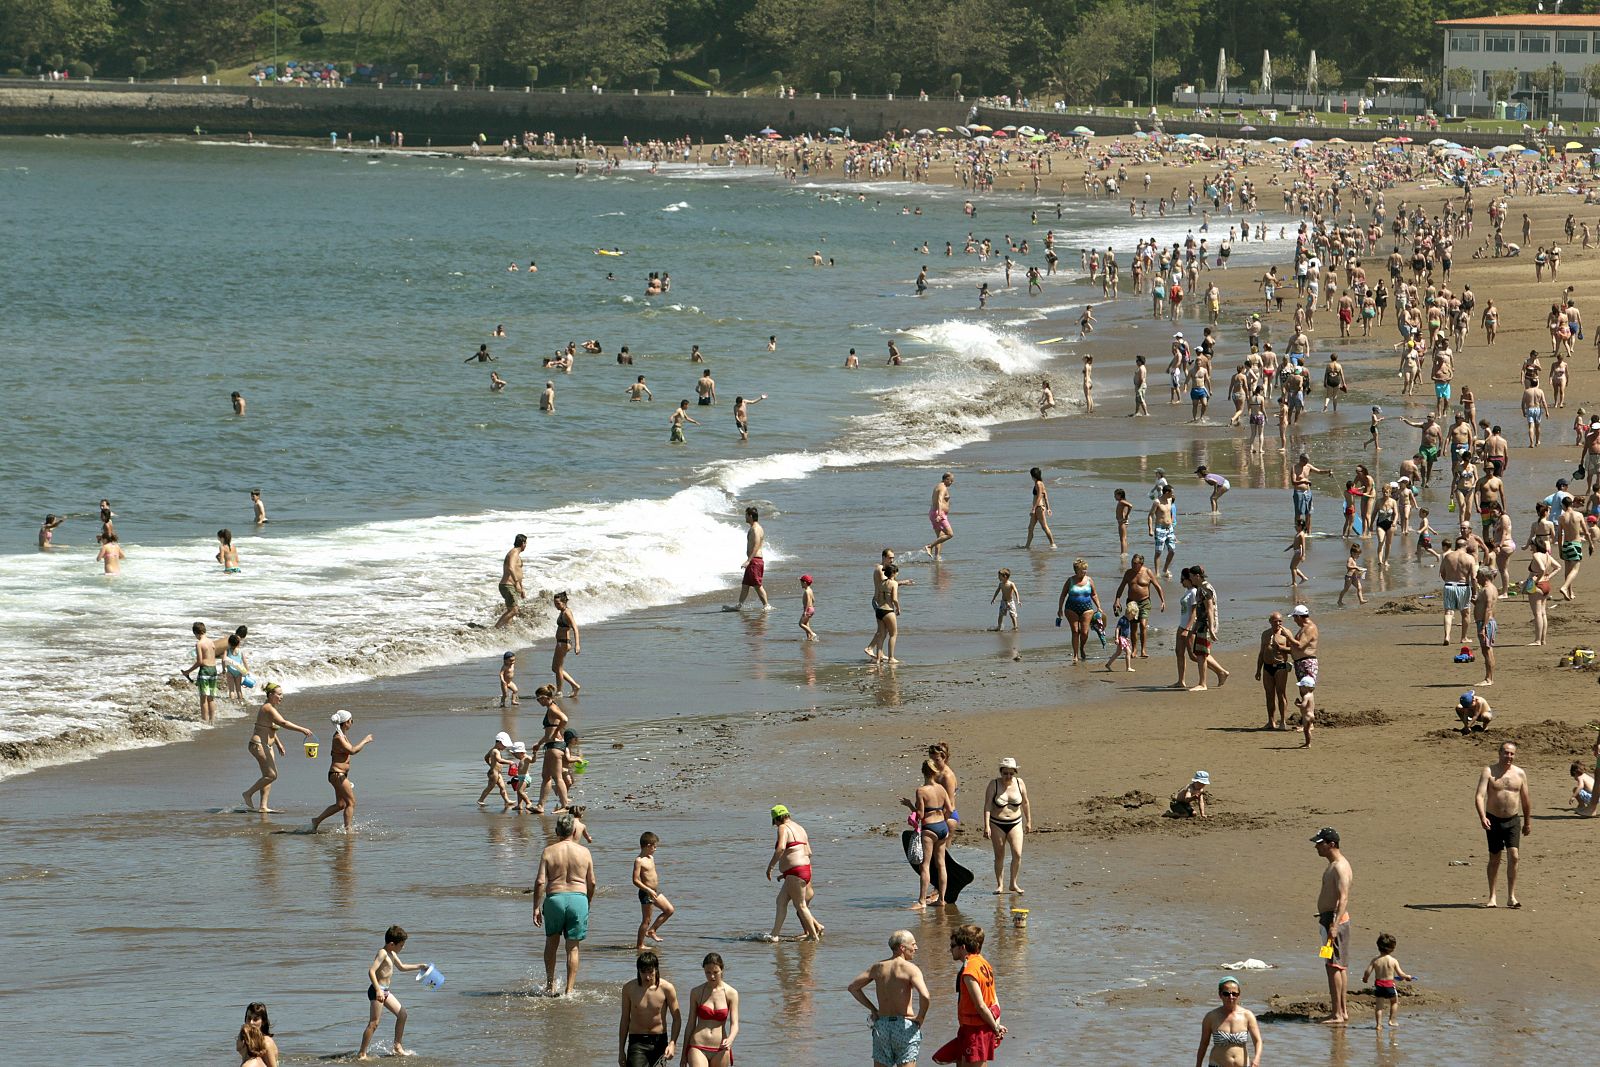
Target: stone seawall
(444,116)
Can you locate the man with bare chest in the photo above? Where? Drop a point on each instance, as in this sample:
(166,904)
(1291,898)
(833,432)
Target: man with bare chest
(1504,809)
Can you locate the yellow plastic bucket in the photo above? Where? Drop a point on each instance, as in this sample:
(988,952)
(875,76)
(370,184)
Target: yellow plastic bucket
(311,749)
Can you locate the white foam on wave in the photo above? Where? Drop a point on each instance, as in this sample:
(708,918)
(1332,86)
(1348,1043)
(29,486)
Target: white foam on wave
(81,652)
(967,386)
(679,206)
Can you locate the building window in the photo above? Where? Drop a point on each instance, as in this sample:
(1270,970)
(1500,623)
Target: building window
(1464,40)
(1500,41)
(1535,42)
(1572,43)
(1524,82)
(1572,84)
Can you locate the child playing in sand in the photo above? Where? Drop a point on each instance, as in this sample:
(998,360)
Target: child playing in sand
(508,672)
(647,880)
(1353,573)
(1302,540)
(496,759)
(1124,645)
(808,606)
(1191,799)
(1349,510)
(1425,534)
(1384,970)
(379,973)
(1047,399)
(1583,785)
(1006,593)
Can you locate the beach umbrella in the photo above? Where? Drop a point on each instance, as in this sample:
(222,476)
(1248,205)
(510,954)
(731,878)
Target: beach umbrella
(1247,129)
(924,133)
(944,129)
(1337,140)
(980,139)
(983,129)
(1001,133)
(1451,144)
(1402,140)
(769,130)
(1026,129)
(1036,138)
(1574,144)
(1143,136)
(1197,136)
(1529,152)
(1493,172)
(1275,140)
(1084,130)
(1516,147)
(1438,142)
(831,129)
(1304,142)
(774,136)
(1498,149)
(963,131)
(1009,129)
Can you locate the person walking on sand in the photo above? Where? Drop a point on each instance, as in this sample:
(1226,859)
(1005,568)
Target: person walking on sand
(1333,917)
(1506,811)
(808,606)
(1203,630)
(1161,526)
(896,1029)
(568,639)
(1010,600)
(978,1029)
(511,580)
(755,567)
(562,894)
(344,790)
(1141,383)
(265,746)
(1483,602)
(939,515)
(647,880)
(1226,1031)
(380,976)
(1138,580)
(1039,512)
(713,1019)
(644,1038)
(791,856)
(1303,648)
(1007,818)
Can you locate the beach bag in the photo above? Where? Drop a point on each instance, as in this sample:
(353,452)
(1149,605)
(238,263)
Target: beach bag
(914,850)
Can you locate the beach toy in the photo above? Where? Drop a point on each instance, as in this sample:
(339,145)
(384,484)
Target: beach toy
(248,681)
(580,766)
(1326,951)
(1019,918)
(431,977)
(1465,655)
(311,749)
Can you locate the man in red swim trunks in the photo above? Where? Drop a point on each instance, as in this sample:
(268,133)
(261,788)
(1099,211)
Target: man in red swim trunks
(939,515)
(755,568)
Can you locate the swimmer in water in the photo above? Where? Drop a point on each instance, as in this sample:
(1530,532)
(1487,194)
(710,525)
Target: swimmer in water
(111,555)
(47,531)
(852,361)
(227,555)
(635,390)
(547,401)
(741,414)
(496,383)
(238,403)
(259,507)
(481,355)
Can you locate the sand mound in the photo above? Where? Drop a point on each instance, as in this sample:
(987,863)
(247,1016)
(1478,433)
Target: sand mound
(1129,801)
(1287,1009)
(1333,720)
(1407,605)
(1546,738)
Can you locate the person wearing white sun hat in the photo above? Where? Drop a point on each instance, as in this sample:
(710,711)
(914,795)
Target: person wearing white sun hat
(1007,816)
(344,791)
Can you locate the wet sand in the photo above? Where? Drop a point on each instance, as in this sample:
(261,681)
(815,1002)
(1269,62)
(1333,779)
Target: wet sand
(1133,912)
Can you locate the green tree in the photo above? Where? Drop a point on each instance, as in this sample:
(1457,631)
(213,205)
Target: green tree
(474,71)
(714,77)
(1459,80)
(652,78)
(532,71)
(955,84)
(1501,82)
(56,27)
(894,82)
(141,65)
(1591,82)
(835,79)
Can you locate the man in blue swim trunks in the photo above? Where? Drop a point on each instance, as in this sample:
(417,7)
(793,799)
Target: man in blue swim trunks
(1443,372)
(562,894)
(896,1029)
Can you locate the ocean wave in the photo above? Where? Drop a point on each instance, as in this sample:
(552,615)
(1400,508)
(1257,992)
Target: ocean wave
(679,206)
(91,663)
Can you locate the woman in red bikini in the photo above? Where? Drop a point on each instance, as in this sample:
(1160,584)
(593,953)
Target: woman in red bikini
(713,1020)
(791,855)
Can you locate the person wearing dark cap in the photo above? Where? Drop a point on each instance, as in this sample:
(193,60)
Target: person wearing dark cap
(1333,916)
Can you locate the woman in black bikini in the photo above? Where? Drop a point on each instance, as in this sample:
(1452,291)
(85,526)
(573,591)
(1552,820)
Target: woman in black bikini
(1273,670)
(344,790)
(556,748)
(1006,817)
(566,637)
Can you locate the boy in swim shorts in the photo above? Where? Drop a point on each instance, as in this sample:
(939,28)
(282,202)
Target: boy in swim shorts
(1384,970)
(380,972)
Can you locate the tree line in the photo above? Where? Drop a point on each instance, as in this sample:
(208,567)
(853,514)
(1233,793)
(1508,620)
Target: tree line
(1082,50)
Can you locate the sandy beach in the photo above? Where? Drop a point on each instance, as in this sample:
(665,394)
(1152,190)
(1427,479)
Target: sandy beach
(1131,912)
